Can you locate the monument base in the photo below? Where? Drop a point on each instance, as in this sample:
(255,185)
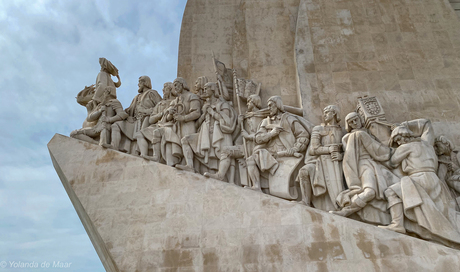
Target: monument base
(144,216)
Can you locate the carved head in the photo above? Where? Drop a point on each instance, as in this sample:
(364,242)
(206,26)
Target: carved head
(168,90)
(144,82)
(180,84)
(275,105)
(443,146)
(199,84)
(330,112)
(401,135)
(254,101)
(352,121)
(210,89)
(108,67)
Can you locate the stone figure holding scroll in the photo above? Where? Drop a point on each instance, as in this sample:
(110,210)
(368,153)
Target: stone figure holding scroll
(216,126)
(419,203)
(321,179)
(146,134)
(248,124)
(139,111)
(367,178)
(281,134)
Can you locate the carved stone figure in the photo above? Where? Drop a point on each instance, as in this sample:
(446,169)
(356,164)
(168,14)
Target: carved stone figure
(157,113)
(187,107)
(100,117)
(104,80)
(419,203)
(281,134)
(449,163)
(321,179)
(366,177)
(139,111)
(216,126)
(248,124)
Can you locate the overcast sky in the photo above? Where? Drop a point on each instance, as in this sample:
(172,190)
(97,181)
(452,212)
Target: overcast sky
(49,52)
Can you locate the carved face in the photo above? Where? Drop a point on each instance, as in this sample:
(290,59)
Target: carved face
(328,115)
(197,86)
(441,148)
(355,122)
(166,91)
(208,92)
(141,83)
(273,108)
(178,87)
(400,140)
(250,105)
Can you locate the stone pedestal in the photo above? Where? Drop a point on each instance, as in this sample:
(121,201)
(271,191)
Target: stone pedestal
(144,216)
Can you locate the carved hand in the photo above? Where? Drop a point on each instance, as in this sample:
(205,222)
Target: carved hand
(179,118)
(333,149)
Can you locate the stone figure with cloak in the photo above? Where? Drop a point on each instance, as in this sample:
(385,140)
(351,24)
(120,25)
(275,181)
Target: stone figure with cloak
(140,109)
(321,179)
(366,176)
(145,135)
(281,134)
(420,203)
(248,125)
(216,126)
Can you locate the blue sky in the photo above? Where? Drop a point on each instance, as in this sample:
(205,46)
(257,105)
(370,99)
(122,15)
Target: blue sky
(49,52)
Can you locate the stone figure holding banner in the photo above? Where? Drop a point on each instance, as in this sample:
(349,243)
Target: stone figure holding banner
(248,124)
(367,178)
(321,179)
(216,126)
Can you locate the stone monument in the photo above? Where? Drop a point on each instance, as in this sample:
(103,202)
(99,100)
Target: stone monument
(251,169)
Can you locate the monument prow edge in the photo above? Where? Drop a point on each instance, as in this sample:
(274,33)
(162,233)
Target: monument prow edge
(145,216)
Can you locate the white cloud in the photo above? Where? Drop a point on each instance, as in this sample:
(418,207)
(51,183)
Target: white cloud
(50,51)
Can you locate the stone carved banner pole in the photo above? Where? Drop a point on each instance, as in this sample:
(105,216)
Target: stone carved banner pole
(237,92)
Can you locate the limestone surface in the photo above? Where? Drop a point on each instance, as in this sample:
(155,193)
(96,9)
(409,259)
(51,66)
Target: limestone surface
(314,53)
(145,216)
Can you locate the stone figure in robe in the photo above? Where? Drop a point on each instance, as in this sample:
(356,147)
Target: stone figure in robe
(366,177)
(448,164)
(321,179)
(99,119)
(139,111)
(216,126)
(248,124)
(281,134)
(419,203)
(145,135)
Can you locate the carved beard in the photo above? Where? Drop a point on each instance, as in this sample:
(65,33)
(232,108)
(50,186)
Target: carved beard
(141,89)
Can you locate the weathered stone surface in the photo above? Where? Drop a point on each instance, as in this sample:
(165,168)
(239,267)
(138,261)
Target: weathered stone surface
(144,216)
(315,52)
